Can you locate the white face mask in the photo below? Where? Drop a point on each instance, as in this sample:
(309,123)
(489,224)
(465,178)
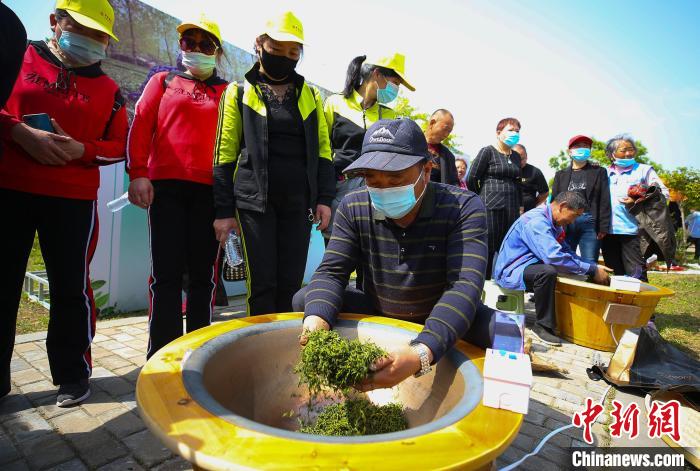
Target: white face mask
(199,63)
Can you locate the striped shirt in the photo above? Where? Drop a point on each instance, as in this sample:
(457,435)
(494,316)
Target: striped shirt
(431,271)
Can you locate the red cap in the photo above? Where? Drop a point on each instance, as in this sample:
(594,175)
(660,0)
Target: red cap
(578,138)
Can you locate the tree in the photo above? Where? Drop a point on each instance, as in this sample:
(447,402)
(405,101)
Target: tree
(404,109)
(684,183)
(562,160)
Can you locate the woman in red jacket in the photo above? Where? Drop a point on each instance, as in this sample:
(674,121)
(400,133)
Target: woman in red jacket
(49,180)
(169,161)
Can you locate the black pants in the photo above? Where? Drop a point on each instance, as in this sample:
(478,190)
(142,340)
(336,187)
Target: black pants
(498,221)
(541,280)
(480,333)
(181,239)
(276,245)
(623,254)
(68,231)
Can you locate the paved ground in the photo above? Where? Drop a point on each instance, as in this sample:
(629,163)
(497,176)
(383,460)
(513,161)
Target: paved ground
(106,432)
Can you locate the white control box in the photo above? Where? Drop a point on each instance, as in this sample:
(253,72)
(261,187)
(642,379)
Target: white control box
(626,283)
(507,380)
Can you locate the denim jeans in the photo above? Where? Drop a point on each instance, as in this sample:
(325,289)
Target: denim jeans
(582,233)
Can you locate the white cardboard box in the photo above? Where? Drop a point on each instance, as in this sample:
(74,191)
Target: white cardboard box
(626,283)
(507,380)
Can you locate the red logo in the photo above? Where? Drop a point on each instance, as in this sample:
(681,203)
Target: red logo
(663,420)
(586,418)
(626,420)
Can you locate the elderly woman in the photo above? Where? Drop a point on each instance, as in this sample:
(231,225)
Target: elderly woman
(621,247)
(462,166)
(495,176)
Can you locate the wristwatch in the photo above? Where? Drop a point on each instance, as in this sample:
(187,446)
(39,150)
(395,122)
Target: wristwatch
(424,355)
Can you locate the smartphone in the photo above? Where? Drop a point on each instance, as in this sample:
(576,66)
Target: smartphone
(508,332)
(40,121)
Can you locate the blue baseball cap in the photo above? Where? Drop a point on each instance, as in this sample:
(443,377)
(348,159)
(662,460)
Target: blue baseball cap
(391,145)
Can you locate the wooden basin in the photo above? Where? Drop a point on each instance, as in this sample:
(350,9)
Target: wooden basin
(223,406)
(580,306)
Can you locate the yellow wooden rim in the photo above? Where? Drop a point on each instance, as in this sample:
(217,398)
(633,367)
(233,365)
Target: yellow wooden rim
(211,442)
(658,292)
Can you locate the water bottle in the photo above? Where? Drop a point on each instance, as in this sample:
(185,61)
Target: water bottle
(232,250)
(119,203)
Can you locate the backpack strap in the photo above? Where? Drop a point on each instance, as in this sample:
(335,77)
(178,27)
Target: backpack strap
(168,78)
(119,102)
(240,96)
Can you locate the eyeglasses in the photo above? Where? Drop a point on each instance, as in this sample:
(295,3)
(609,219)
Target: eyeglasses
(206,46)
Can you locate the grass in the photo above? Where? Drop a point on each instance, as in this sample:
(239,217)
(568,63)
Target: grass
(678,317)
(33,317)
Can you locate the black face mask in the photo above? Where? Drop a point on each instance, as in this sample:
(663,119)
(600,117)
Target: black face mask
(277,67)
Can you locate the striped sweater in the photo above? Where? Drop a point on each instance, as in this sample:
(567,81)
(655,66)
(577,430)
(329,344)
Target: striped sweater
(431,272)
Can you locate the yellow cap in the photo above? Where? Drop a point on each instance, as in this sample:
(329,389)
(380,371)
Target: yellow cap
(203,23)
(285,27)
(95,14)
(395,62)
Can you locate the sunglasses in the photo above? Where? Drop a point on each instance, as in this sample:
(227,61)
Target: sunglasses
(206,46)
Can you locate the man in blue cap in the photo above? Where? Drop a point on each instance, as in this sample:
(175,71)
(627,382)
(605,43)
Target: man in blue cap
(421,247)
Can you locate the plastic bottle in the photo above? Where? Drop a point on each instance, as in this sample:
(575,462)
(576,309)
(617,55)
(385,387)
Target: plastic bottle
(232,250)
(119,203)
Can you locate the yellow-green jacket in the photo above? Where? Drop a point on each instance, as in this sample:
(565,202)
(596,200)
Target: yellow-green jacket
(241,148)
(347,122)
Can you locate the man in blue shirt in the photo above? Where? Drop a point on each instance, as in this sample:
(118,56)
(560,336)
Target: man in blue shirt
(534,252)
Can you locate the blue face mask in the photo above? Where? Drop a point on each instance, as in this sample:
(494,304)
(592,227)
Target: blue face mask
(511,138)
(199,63)
(623,163)
(396,202)
(581,154)
(387,94)
(81,49)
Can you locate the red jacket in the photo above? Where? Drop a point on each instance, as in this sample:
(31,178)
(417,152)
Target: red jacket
(83,110)
(174,128)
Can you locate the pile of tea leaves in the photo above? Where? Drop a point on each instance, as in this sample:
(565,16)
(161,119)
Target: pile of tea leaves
(329,361)
(357,417)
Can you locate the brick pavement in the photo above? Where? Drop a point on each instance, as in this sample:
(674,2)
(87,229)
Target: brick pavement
(106,433)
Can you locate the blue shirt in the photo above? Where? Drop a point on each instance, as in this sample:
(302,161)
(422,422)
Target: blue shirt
(534,238)
(431,271)
(693,223)
(622,221)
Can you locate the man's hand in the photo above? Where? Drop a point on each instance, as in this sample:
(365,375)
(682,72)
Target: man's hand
(312,323)
(71,147)
(141,192)
(392,369)
(42,146)
(627,200)
(223,227)
(601,275)
(323,216)
(601,235)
